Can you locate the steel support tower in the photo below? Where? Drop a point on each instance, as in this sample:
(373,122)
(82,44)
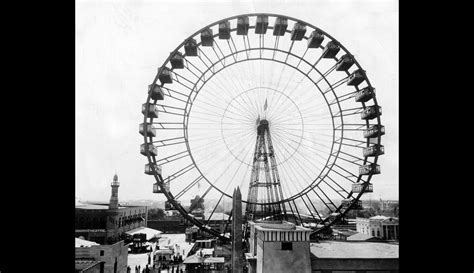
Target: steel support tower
(265,187)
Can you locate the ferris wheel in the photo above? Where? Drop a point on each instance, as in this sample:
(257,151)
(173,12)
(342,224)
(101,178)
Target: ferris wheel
(272,105)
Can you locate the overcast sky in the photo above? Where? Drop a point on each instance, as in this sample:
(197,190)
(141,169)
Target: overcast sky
(120,45)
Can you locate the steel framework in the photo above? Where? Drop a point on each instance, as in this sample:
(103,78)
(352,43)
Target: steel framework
(272,194)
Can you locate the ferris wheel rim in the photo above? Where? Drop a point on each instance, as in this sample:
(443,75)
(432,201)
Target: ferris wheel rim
(152,159)
(257,14)
(259,48)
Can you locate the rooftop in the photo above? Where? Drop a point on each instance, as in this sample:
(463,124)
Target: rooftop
(205,241)
(361,237)
(217,216)
(195,259)
(163,251)
(278,225)
(84,243)
(149,232)
(346,232)
(338,249)
(206,251)
(80,205)
(276,228)
(382,217)
(378,217)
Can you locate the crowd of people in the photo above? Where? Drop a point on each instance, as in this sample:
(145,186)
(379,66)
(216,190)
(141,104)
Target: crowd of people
(154,269)
(171,265)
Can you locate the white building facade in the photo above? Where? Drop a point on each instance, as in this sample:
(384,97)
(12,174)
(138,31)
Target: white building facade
(379,226)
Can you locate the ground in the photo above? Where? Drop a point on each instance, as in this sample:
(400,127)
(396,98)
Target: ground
(165,239)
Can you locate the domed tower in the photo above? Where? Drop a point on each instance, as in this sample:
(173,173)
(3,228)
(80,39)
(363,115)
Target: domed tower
(114,197)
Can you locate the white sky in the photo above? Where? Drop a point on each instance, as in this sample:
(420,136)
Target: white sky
(120,45)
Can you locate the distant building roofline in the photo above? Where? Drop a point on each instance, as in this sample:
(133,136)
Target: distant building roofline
(98,206)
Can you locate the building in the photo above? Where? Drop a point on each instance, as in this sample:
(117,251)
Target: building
(91,257)
(198,264)
(285,247)
(107,223)
(278,247)
(216,221)
(379,226)
(354,257)
(168,225)
(192,234)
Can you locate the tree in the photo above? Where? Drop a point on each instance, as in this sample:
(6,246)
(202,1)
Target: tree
(376,206)
(156,214)
(325,233)
(367,213)
(395,210)
(197,203)
(353,214)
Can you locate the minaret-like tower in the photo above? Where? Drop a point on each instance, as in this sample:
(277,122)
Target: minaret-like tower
(264,185)
(114,197)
